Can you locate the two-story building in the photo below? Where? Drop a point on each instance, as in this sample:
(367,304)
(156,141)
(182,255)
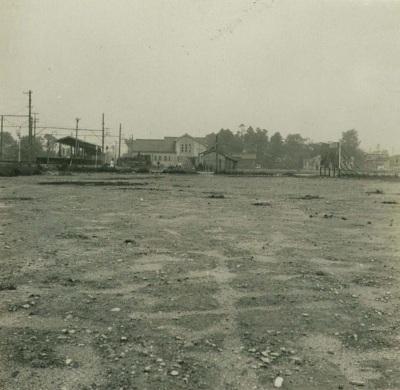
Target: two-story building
(377,161)
(169,152)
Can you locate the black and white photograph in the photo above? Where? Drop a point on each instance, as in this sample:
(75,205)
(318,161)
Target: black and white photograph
(199,194)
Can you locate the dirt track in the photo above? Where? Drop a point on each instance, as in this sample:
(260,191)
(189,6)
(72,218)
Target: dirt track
(145,282)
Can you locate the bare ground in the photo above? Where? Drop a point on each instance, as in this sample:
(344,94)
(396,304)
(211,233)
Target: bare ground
(151,282)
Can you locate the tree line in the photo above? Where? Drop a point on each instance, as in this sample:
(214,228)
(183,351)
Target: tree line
(18,148)
(276,151)
(270,151)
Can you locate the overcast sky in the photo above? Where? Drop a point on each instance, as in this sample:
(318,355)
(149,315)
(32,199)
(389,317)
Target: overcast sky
(166,67)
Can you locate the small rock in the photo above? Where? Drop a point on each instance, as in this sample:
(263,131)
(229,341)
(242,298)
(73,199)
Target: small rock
(297,360)
(278,382)
(357,383)
(216,196)
(174,373)
(68,362)
(262,203)
(116,309)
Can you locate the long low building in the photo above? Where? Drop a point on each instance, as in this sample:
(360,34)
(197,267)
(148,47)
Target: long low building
(169,152)
(216,161)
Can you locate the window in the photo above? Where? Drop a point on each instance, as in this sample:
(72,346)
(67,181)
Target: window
(190,148)
(165,158)
(182,148)
(185,147)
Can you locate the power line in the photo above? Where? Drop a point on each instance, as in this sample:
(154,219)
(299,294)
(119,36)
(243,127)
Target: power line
(65,128)
(76,137)
(13,115)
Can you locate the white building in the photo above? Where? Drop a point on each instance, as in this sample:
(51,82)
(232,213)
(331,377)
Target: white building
(169,152)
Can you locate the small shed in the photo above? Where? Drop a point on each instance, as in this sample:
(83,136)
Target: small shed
(210,160)
(246,160)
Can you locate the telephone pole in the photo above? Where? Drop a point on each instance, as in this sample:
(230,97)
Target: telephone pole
(76,137)
(35,120)
(30,141)
(119,141)
(102,135)
(216,153)
(1,137)
(30,117)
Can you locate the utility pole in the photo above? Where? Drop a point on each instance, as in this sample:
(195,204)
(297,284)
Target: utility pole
(30,117)
(34,124)
(216,153)
(1,137)
(19,145)
(30,141)
(76,137)
(340,158)
(102,135)
(119,141)
(48,150)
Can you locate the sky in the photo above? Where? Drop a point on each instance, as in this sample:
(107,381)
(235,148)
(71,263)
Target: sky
(169,67)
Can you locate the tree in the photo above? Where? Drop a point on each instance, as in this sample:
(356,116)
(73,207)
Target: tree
(50,145)
(261,141)
(37,148)
(210,140)
(351,147)
(350,140)
(276,149)
(228,143)
(9,146)
(249,140)
(296,151)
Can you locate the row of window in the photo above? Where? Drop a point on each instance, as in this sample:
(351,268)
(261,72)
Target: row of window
(186,148)
(160,158)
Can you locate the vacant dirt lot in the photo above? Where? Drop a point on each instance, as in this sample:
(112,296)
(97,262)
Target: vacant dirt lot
(157,282)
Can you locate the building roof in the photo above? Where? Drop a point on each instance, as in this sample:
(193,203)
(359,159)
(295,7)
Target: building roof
(200,140)
(246,156)
(212,150)
(87,146)
(166,145)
